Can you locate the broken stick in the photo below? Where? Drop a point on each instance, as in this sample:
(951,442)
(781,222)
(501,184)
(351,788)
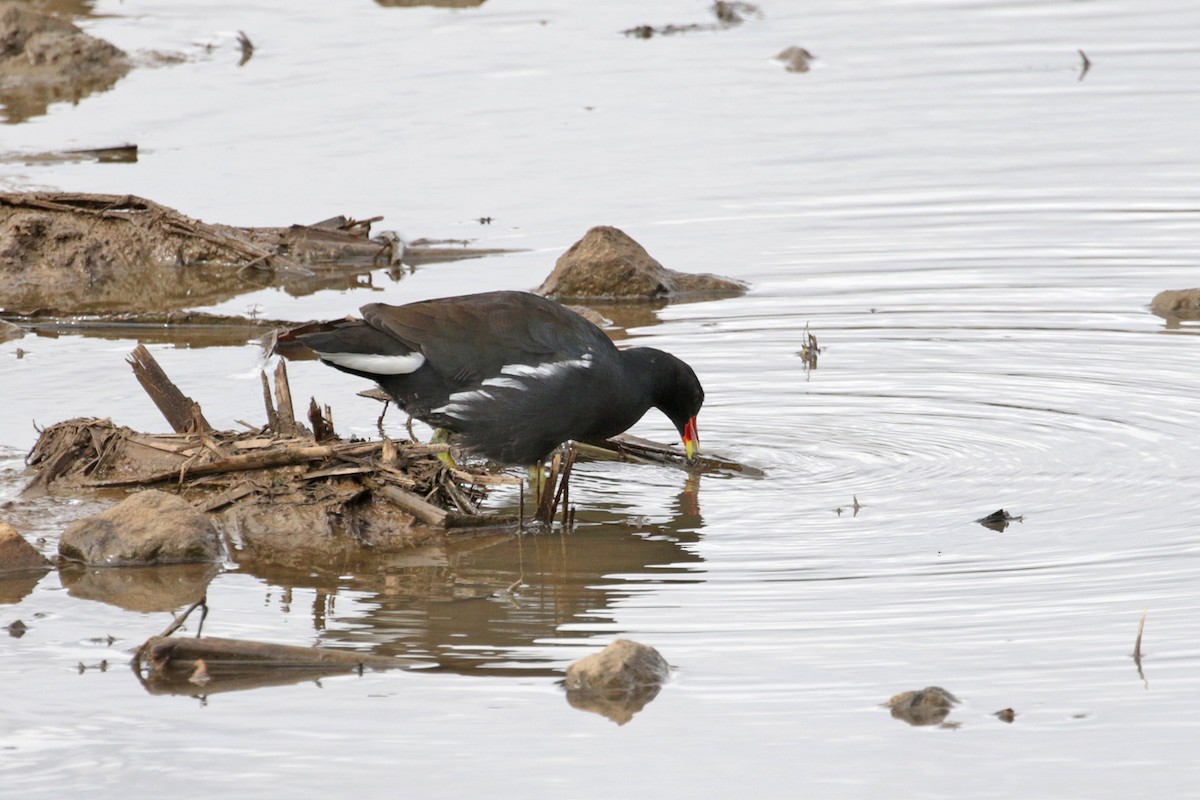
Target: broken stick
(182,412)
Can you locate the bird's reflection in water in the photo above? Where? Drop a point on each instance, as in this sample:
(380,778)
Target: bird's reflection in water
(496,603)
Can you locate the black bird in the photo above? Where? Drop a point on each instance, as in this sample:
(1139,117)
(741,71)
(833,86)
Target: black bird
(514,375)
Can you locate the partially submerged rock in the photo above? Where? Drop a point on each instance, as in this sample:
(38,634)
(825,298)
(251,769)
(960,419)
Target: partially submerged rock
(150,527)
(16,554)
(928,706)
(1177,304)
(795,59)
(608,264)
(618,681)
(45,59)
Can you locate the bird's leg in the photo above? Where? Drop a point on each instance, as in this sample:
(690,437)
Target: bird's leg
(442,436)
(537,482)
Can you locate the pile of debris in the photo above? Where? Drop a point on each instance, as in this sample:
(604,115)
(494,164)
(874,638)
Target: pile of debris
(282,491)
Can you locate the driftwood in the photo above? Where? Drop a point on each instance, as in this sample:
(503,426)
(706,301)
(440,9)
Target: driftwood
(181,412)
(205,666)
(163,653)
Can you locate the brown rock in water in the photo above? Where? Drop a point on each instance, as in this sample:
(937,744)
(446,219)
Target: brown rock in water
(928,706)
(795,59)
(607,264)
(151,527)
(16,554)
(45,59)
(1177,304)
(618,681)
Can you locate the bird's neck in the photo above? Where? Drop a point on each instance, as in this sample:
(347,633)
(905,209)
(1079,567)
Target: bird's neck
(643,368)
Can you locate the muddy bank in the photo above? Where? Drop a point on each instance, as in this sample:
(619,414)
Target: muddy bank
(45,59)
(69,253)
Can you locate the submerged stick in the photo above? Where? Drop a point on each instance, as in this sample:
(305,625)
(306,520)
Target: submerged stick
(182,412)
(1137,645)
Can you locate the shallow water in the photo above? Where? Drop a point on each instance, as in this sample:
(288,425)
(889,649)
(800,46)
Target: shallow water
(971,230)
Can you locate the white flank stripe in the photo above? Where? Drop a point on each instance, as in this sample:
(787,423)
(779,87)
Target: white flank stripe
(376,364)
(548,369)
(504,383)
(460,403)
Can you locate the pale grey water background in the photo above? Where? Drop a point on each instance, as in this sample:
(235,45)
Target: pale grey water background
(972,232)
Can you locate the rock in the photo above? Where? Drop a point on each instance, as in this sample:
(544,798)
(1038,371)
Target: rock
(16,554)
(607,264)
(795,59)
(618,681)
(621,665)
(151,527)
(1177,304)
(928,706)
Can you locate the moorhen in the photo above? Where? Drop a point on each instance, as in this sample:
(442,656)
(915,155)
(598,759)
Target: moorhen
(514,375)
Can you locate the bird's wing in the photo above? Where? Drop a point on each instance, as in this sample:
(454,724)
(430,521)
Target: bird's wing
(469,339)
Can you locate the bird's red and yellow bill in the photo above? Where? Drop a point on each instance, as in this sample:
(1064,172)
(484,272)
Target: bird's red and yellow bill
(691,439)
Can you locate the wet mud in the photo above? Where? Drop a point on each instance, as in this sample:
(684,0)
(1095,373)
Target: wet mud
(45,59)
(63,254)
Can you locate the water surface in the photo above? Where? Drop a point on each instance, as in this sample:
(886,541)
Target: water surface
(971,229)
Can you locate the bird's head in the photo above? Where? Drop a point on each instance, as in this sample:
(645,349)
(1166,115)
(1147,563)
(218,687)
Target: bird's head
(680,399)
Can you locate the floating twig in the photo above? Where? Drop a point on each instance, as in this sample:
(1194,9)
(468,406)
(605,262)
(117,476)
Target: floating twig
(247,48)
(1137,646)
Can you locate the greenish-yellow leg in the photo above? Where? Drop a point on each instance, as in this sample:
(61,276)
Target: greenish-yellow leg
(537,481)
(442,436)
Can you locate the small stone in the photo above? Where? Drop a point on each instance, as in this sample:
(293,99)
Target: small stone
(795,59)
(17,629)
(928,706)
(150,527)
